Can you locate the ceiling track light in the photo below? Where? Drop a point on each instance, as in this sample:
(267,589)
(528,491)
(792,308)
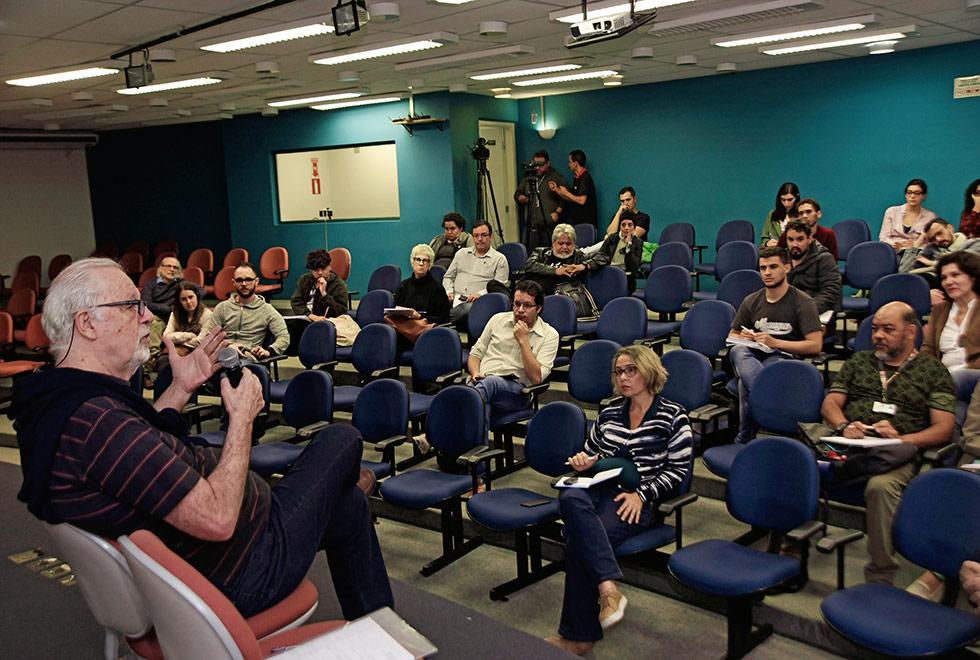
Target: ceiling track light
(610,8)
(864,38)
(310,27)
(423,42)
(797,32)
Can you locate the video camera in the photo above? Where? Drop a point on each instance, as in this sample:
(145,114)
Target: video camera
(479,149)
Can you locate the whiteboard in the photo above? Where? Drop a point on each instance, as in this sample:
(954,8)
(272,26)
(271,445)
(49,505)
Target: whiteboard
(354,182)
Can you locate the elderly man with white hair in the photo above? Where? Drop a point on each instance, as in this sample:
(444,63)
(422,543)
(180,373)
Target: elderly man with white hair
(562,262)
(98,455)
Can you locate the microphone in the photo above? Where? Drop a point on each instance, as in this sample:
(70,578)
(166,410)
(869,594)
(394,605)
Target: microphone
(231,364)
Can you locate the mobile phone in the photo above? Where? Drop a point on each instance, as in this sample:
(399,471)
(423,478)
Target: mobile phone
(531,503)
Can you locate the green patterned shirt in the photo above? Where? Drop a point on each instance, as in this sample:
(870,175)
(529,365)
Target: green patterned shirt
(925,383)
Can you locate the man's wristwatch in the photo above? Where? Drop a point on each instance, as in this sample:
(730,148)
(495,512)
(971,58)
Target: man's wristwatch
(842,426)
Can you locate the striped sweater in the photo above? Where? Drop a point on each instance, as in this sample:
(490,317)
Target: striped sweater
(660,446)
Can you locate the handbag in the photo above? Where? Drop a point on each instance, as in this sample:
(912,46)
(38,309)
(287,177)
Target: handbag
(857,462)
(585,307)
(347,329)
(410,329)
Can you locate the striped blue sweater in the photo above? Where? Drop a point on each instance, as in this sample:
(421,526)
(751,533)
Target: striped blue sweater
(660,446)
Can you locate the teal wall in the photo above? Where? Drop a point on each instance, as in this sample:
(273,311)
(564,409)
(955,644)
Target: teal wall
(851,133)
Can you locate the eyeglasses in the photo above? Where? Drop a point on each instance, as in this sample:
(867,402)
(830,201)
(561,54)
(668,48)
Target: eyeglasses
(914,193)
(140,305)
(420,260)
(522,305)
(244,280)
(540,163)
(629,370)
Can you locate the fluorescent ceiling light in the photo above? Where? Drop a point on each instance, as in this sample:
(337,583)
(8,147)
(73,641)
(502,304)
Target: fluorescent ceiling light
(424,42)
(797,32)
(177,84)
(351,104)
(515,73)
(717,20)
(880,35)
(471,57)
(285,103)
(93,111)
(451,2)
(309,27)
(583,75)
(602,9)
(64,76)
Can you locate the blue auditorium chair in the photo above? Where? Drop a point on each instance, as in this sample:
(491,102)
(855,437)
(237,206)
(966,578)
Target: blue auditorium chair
(373,356)
(585,235)
(381,415)
(317,350)
(668,289)
(733,230)
(849,233)
(736,255)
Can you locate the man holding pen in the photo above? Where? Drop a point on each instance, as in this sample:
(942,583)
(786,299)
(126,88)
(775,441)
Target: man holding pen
(781,322)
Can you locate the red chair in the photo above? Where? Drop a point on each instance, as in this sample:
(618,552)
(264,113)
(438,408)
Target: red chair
(274,266)
(340,262)
(10,368)
(234,257)
(132,263)
(195,275)
(163,255)
(166,245)
(140,247)
(192,619)
(31,264)
(58,264)
(224,283)
(145,277)
(21,306)
(106,250)
(26,279)
(202,258)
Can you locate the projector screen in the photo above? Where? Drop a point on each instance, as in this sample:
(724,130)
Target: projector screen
(354,182)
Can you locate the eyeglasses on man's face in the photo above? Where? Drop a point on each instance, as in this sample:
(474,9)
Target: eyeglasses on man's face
(139,304)
(244,280)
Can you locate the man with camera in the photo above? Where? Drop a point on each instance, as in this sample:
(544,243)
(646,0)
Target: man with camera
(544,206)
(582,194)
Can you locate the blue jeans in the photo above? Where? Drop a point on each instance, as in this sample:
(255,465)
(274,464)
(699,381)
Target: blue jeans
(592,529)
(748,362)
(501,395)
(318,506)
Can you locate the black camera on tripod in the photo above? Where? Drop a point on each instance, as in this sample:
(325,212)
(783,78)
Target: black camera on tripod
(479,149)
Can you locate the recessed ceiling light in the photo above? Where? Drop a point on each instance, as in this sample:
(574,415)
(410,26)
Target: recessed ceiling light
(882,47)
(612,81)
(866,38)
(797,31)
(686,60)
(603,9)
(309,27)
(726,67)
(493,28)
(457,87)
(308,100)
(516,73)
(384,11)
(351,104)
(63,76)
(424,42)
(641,53)
(582,75)
(82,96)
(176,84)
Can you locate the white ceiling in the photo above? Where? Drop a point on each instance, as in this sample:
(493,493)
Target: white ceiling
(40,35)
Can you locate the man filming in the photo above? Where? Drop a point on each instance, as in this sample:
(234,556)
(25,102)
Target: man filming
(544,205)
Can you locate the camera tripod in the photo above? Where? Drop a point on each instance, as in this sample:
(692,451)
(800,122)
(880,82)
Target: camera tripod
(485,203)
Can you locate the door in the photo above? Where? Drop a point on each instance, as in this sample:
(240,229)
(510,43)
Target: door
(502,166)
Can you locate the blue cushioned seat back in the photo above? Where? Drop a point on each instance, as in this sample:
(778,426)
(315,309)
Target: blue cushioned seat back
(559,313)
(371,309)
(935,525)
(706,326)
(456,420)
(374,348)
(682,232)
(385,277)
(688,379)
(868,262)
(437,272)
(584,235)
(674,253)
(381,410)
(482,310)
(849,233)
(773,484)
(163,381)
(623,320)
(556,432)
(308,399)
(862,338)
(668,288)
(516,255)
(318,343)
(436,352)
(736,255)
(785,393)
(606,284)
(738,284)
(589,372)
(735,230)
(905,287)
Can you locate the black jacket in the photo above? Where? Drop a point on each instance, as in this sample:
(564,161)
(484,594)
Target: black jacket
(818,277)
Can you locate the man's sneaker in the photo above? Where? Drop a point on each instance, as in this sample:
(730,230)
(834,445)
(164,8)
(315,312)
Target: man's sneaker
(612,605)
(422,444)
(367,481)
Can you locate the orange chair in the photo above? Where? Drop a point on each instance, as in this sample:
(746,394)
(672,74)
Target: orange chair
(106,250)
(132,263)
(31,264)
(10,368)
(192,618)
(166,245)
(224,283)
(340,262)
(195,275)
(202,258)
(234,257)
(58,264)
(26,279)
(147,275)
(140,247)
(21,306)
(33,336)
(163,255)
(274,266)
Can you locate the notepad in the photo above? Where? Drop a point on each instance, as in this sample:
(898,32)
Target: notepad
(736,341)
(399,311)
(586,482)
(860,442)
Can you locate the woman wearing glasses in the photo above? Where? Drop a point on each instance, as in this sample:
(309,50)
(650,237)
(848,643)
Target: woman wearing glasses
(903,224)
(423,295)
(652,438)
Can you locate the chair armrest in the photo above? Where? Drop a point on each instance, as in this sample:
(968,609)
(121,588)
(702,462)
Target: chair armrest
(390,372)
(309,431)
(668,507)
(393,441)
(707,412)
(570,339)
(937,456)
(272,359)
(353,293)
(805,531)
(828,544)
(651,342)
(282,273)
(477,454)
(534,390)
(450,378)
(326,366)
(605,403)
